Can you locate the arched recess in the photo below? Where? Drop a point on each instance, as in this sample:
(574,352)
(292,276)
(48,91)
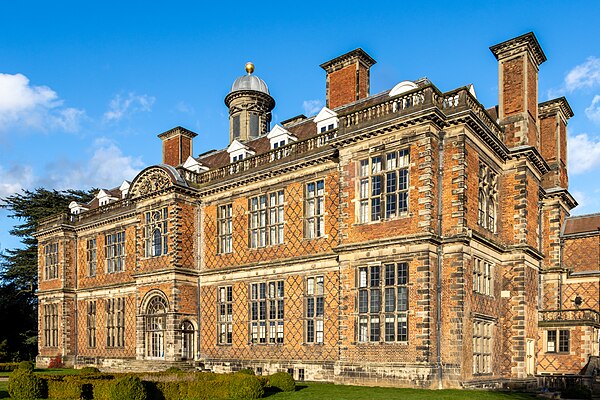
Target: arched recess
(188,333)
(155,310)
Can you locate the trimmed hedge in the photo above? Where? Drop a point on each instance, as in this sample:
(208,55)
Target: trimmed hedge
(282,381)
(26,366)
(8,366)
(69,388)
(89,371)
(24,385)
(128,388)
(245,387)
(101,389)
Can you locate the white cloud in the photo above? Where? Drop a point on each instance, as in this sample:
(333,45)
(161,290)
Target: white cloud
(121,106)
(107,167)
(583,75)
(39,107)
(184,108)
(312,107)
(584,153)
(14,179)
(593,111)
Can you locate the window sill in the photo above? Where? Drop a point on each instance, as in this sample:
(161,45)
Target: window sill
(403,215)
(382,343)
(559,353)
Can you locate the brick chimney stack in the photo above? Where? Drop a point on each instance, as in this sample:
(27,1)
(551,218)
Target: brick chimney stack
(518,62)
(176,145)
(348,78)
(554,115)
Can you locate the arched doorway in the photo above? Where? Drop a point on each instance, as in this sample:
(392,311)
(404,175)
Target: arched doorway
(156,316)
(187,340)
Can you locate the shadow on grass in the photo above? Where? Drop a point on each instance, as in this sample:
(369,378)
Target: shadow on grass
(273,391)
(3,394)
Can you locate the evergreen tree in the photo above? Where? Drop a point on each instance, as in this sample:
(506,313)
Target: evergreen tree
(18,267)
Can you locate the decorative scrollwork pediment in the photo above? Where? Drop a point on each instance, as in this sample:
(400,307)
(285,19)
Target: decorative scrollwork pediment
(150,180)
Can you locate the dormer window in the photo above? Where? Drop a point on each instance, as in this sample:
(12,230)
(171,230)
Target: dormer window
(326,120)
(104,197)
(238,151)
(77,208)
(327,128)
(191,164)
(124,188)
(280,137)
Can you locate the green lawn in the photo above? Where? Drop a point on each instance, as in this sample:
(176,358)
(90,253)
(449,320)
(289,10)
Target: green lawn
(320,391)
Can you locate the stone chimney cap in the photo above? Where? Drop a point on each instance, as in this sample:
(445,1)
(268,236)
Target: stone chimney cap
(515,45)
(551,106)
(178,130)
(345,59)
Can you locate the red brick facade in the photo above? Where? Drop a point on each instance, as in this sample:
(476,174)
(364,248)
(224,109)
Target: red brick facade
(415,243)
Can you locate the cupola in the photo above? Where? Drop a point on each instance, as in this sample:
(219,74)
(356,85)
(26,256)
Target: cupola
(250,106)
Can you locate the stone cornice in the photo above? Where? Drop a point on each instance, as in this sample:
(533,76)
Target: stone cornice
(524,43)
(532,154)
(267,99)
(559,105)
(562,194)
(346,59)
(177,131)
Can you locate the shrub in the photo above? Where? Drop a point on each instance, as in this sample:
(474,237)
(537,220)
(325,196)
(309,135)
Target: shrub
(89,371)
(245,387)
(24,385)
(56,362)
(26,366)
(70,388)
(246,371)
(282,381)
(173,370)
(101,389)
(128,388)
(205,389)
(171,390)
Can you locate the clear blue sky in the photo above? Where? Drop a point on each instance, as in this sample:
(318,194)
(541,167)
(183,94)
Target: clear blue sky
(85,87)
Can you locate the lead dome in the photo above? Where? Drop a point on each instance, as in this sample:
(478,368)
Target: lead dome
(249,82)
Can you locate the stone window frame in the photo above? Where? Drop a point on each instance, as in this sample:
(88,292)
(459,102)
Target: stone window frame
(91,256)
(266,311)
(560,343)
(91,323)
(379,196)
(51,325)
(188,334)
(487,198)
(156,232)
(314,209)
(51,261)
(483,276)
(225,228)
(314,310)
(384,320)
(483,336)
(225,315)
(266,220)
(115,322)
(155,327)
(114,251)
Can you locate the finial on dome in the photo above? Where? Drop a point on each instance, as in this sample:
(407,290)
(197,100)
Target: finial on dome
(249,68)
